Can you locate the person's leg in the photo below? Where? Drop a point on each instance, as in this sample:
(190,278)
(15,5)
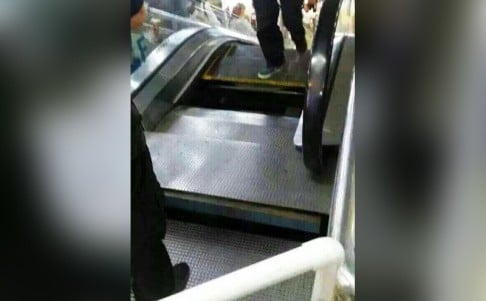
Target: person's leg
(146,194)
(150,282)
(152,271)
(268,32)
(153,276)
(292,18)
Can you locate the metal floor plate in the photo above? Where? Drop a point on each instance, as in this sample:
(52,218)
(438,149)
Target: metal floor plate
(239,161)
(212,252)
(236,117)
(228,130)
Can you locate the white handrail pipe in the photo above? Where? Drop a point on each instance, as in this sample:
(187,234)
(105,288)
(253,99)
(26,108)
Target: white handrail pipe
(323,255)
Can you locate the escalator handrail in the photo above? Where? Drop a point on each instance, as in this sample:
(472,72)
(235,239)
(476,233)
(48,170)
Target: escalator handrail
(165,50)
(319,84)
(158,57)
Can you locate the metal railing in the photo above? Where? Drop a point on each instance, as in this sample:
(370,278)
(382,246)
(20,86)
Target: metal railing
(323,255)
(341,220)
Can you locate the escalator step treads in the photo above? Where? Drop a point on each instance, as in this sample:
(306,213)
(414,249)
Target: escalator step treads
(236,116)
(267,174)
(276,131)
(213,252)
(333,127)
(242,63)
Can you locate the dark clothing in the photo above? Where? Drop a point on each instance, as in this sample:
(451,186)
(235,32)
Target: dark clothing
(135,6)
(138,144)
(268,32)
(152,271)
(139,48)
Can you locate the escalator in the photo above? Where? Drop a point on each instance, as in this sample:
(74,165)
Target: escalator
(234,152)
(227,144)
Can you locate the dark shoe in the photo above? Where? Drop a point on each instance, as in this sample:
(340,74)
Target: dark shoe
(269,72)
(181,276)
(138,295)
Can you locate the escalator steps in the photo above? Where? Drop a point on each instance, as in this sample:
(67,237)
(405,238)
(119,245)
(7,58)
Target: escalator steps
(241,63)
(212,252)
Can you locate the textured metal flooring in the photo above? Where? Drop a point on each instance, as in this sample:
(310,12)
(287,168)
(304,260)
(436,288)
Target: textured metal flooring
(212,252)
(242,62)
(236,155)
(180,124)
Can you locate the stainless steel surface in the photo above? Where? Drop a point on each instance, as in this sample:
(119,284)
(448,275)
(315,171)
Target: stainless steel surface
(181,124)
(184,29)
(163,76)
(213,252)
(177,72)
(159,56)
(235,155)
(342,216)
(171,80)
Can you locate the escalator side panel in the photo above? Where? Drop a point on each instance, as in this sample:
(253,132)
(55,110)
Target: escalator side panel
(173,79)
(319,90)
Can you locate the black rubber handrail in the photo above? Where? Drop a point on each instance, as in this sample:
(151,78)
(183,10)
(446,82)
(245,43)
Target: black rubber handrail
(321,75)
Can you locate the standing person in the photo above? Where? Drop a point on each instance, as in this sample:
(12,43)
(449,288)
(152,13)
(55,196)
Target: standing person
(153,276)
(202,11)
(239,21)
(227,16)
(270,36)
(139,46)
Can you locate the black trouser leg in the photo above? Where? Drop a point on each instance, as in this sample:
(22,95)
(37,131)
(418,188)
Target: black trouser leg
(152,270)
(292,18)
(268,32)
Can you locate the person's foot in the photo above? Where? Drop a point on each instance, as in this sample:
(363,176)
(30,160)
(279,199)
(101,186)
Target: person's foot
(269,72)
(181,276)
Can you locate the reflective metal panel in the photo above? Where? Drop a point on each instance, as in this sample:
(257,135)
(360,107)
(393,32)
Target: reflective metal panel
(342,216)
(159,56)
